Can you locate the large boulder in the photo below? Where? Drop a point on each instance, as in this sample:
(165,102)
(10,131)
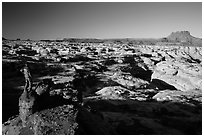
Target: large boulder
(128,81)
(115,92)
(120,93)
(182,75)
(61,120)
(190,97)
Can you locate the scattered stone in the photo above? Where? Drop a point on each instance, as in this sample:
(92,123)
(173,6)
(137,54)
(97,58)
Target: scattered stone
(103,87)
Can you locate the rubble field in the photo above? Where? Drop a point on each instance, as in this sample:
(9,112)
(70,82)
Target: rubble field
(127,88)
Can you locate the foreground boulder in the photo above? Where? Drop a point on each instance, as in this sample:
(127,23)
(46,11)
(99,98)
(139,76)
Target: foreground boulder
(62,120)
(131,117)
(49,113)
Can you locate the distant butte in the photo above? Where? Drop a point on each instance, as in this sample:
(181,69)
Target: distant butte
(184,37)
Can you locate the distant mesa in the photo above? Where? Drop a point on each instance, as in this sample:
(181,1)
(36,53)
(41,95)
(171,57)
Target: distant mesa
(183,37)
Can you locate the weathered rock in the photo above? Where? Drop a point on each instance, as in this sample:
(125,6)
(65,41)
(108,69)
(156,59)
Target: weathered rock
(25,108)
(138,70)
(189,97)
(182,75)
(128,81)
(44,86)
(150,117)
(120,93)
(115,92)
(62,120)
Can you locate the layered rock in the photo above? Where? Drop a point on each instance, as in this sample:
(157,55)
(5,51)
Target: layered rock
(115,92)
(182,75)
(193,97)
(128,81)
(120,93)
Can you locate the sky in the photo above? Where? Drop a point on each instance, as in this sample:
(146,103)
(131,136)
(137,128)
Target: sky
(99,20)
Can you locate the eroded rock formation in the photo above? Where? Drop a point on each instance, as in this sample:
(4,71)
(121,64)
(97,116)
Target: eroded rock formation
(104,88)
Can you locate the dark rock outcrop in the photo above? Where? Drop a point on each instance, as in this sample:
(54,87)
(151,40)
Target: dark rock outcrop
(61,120)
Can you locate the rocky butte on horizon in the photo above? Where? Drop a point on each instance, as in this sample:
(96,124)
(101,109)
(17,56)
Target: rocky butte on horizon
(184,36)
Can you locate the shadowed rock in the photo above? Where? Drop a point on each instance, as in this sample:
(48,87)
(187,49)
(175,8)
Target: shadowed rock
(27,98)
